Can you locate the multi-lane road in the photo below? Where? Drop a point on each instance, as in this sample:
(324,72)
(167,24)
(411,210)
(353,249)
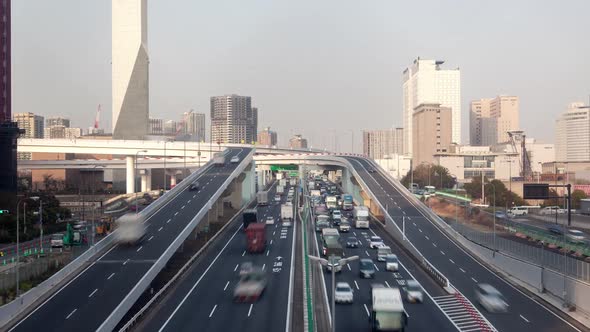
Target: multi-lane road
(87,300)
(203,300)
(525,313)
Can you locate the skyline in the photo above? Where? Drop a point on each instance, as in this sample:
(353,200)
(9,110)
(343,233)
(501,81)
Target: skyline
(315,60)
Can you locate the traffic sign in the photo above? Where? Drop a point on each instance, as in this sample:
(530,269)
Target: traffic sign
(4,212)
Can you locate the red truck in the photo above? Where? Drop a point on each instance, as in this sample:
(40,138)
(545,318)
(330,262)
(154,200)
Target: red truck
(255,237)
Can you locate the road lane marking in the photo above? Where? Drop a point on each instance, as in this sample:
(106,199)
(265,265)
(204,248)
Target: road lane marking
(263,266)
(250,310)
(420,229)
(267,252)
(414,223)
(71,313)
(195,195)
(357,285)
(270,241)
(175,213)
(462,270)
(125,262)
(526,320)
(181,208)
(159,229)
(227,284)
(442,252)
(167,221)
(367,253)
(367,310)
(273,233)
(452,261)
(212,311)
(112,274)
(188,201)
(151,237)
(474,280)
(243,253)
(376,268)
(139,249)
(349,269)
(94,291)
(427,238)
(434,244)
(387,284)
(236,268)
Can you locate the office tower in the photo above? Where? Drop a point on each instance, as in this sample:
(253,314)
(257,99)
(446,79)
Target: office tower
(54,132)
(130,79)
(572,134)
(233,119)
(57,121)
(31,123)
(379,144)
(195,126)
(490,120)
(72,133)
(425,82)
(5,62)
(298,142)
(432,132)
(267,137)
(170,127)
(156,126)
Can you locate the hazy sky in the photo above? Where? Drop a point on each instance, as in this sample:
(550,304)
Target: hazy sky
(320,68)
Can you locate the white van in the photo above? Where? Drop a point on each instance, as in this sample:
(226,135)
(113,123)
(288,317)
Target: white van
(519,211)
(549,210)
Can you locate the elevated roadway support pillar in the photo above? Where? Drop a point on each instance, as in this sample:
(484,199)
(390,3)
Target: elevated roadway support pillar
(130,174)
(172,179)
(146,180)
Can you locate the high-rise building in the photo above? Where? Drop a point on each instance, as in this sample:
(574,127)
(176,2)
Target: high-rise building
(233,119)
(72,133)
(572,134)
(5,62)
(57,121)
(31,123)
(55,132)
(432,132)
(195,126)
(377,144)
(490,120)
(267,137)
(130,79)
(170,127)
(298,142)
(156,126)
(425,82)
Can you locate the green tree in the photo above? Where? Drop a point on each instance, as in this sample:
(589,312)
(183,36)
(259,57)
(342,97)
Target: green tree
(577,196)
(430,174)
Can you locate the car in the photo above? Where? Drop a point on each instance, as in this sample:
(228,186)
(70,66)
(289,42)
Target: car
(575,236)
(371,170)
(555,229)
(270,220)
(194,186)
(250,287)
(550,210)
(246,268)
(336,214)
(234,160)
(57,240)
(382,252)
(321,224)
(277,198)
(391,262)
(82,224)
(375,242)
(336,222)
(352,242)
(414,292)
(366,268)
(501,215)
(490,298)
(343,293)
(286,223)
(344,227)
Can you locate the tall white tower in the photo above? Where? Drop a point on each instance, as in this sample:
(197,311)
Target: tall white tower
(130,76)
(425,82)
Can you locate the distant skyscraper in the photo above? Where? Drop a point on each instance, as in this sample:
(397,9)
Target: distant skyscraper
(380,143)
(57,121)
(31,123)
(432,132)
(130,79)
(170,127)
(425,82)
(267,137)
(298,142)
(156,126)
(5,62)
(572,134)
(490,120)
(233,119)
(195,126)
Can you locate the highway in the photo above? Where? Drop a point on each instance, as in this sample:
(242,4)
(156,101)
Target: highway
(203,299)
(464,272)
(90,297)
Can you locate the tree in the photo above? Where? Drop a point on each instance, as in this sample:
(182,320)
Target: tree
(430,174)
(577,196)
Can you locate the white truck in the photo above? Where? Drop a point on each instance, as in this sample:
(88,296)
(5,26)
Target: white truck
(332,202)
(130,229)
(283,182)
(280,190)
(287,212)
(262,197)
(387,310)
(219,159)
(361,216)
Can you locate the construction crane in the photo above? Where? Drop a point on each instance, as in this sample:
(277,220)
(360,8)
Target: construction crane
(183,123)
(97,118)
(518,136)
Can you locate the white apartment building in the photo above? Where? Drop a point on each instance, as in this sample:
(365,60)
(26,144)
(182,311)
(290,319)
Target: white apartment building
(572,134)
(378,144)
(425,82)
(491,119)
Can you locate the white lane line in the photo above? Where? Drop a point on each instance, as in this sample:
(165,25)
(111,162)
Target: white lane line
(195,195)
(462,270)
(188,201)
(267,252)
(414,223)
(139,249)
(250,310)
(475,281)
(387,284)
(452,261)
(212,311)
(526,320)
(367,310)
(94,291)
(263,266)
(227,284)
(243,253)
(159,229)
(376,268)
(175,213)
(71,313)
(434,244)
(167,221)
(357,285)
(349,269)
(125,262)
(270,241)
(273,233)
(367,253)
(442,252)
(112,274)
(151,237)
(181,208)
(420,229)
(427,238)
(236,268)
(404,212)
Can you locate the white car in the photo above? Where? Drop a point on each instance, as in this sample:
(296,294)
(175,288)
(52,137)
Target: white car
(343,293)
(391,262)
(489,298)
(575,236)
(57,240)
(270,220)
(414,291)
(278,198)
(375,242)
(234,160)
(551,210)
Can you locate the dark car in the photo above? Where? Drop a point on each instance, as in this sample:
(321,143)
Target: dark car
(501,215)
(366,268)
(371,170)
(352,242)
(555,229)
(194,186)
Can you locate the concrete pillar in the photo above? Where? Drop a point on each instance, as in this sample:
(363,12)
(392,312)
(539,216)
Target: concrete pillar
(130,174)
(172,179)
(143,181)
(149,179)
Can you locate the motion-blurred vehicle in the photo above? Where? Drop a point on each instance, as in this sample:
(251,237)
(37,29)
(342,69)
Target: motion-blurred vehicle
(130,229)
(194,186)
(549,210)
(490,298)
(344,226)
(371,170)
(277,198)
(375,242)
(501,215)
(250,287)
(245,268)
(387,310)
(575,236)
(352,242)
(555,229)
(270,220)
(344,293)
(414,291)
(234,160)
(391,262)
(382,252)
(57,240)
(366,268)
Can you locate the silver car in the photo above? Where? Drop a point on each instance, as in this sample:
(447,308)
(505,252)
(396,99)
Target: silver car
(490,298)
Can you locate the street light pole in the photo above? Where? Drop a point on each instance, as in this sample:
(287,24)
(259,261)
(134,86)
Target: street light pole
(136,154)
(17,249)
(164,185)
(94,201)
(494,210)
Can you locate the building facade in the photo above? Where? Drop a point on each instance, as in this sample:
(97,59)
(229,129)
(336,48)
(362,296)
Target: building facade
(491,119)
(57,121)
(130,79)
(425,82)
(195,126)
(432,132)
(267,137)
(170,127)
(156,126)
(381,144)
(572,134)
(298,142)
(32,124)
(233,119)
(5,62)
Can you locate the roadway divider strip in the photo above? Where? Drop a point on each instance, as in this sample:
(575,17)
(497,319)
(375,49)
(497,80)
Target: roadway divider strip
(307,297)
